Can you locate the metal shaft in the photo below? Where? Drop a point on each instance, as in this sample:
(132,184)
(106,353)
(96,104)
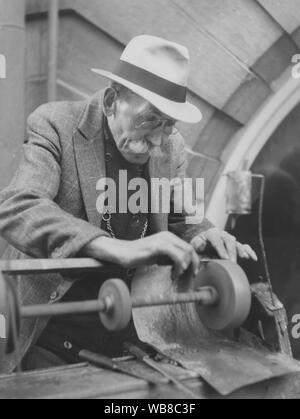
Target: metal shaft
(97,306)
(205,296)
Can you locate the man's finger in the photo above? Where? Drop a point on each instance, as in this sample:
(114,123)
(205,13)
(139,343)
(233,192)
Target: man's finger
(231,246)
(195,262)
(246,252)
(219,246)
(179,258)
(190,256)
(199,243)
(242,252)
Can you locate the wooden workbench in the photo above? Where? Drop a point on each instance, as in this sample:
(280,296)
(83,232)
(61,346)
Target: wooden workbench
(84,382)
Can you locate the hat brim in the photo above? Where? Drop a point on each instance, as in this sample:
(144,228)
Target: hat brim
(184,112)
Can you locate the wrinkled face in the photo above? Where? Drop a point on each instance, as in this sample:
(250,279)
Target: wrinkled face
(137,127)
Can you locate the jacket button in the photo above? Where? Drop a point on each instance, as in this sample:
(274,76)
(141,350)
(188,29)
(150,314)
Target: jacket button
(130,273)
(68,345)
(108,157)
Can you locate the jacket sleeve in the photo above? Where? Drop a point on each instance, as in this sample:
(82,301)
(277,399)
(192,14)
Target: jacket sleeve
(178,222)
(30,220)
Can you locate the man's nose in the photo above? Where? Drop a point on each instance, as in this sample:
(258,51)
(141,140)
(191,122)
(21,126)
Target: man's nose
(167,129)
(155,138)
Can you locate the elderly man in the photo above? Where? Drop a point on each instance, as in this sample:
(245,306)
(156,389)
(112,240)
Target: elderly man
(50,208)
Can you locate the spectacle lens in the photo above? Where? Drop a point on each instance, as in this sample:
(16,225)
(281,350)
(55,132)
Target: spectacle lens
(153,121)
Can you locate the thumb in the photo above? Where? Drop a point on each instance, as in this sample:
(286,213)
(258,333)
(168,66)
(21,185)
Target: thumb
(199,243)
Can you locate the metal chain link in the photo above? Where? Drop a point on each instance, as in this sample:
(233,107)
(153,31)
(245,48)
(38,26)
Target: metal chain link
(107,217)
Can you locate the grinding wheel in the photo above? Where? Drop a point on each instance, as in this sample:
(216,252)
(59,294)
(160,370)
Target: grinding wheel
(233,288)
(117,293)
(188,324)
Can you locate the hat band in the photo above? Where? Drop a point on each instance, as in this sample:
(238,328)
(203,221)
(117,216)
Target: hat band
(152,82)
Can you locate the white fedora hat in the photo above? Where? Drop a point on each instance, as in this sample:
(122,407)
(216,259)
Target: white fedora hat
(157,70)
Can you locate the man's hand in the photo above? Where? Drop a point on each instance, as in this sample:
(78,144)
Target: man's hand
(225,245)
(145,251)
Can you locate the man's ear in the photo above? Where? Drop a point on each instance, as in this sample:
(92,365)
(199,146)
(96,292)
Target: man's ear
(109,101)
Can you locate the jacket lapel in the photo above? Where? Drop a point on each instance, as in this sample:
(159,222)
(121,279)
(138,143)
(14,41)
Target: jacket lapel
(90,155)
(90,159)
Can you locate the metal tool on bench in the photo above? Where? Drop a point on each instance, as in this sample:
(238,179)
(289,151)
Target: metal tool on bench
(223,300)
(102,361)
(144,357)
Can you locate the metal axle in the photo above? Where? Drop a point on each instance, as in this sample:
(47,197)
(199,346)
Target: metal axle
(204,296)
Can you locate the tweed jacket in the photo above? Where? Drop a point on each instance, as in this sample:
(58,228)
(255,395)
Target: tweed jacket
(49,208)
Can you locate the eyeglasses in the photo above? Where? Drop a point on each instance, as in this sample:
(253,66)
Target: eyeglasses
(151,120)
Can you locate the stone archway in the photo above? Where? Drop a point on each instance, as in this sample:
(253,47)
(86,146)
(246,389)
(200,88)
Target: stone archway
(249,141)
(271,144)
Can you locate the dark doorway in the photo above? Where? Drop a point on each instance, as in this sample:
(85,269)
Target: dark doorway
(279,161)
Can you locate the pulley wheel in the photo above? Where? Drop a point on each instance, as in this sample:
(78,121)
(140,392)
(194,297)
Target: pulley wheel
(118,316)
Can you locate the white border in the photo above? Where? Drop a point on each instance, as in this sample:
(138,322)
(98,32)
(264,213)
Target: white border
(2,66)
